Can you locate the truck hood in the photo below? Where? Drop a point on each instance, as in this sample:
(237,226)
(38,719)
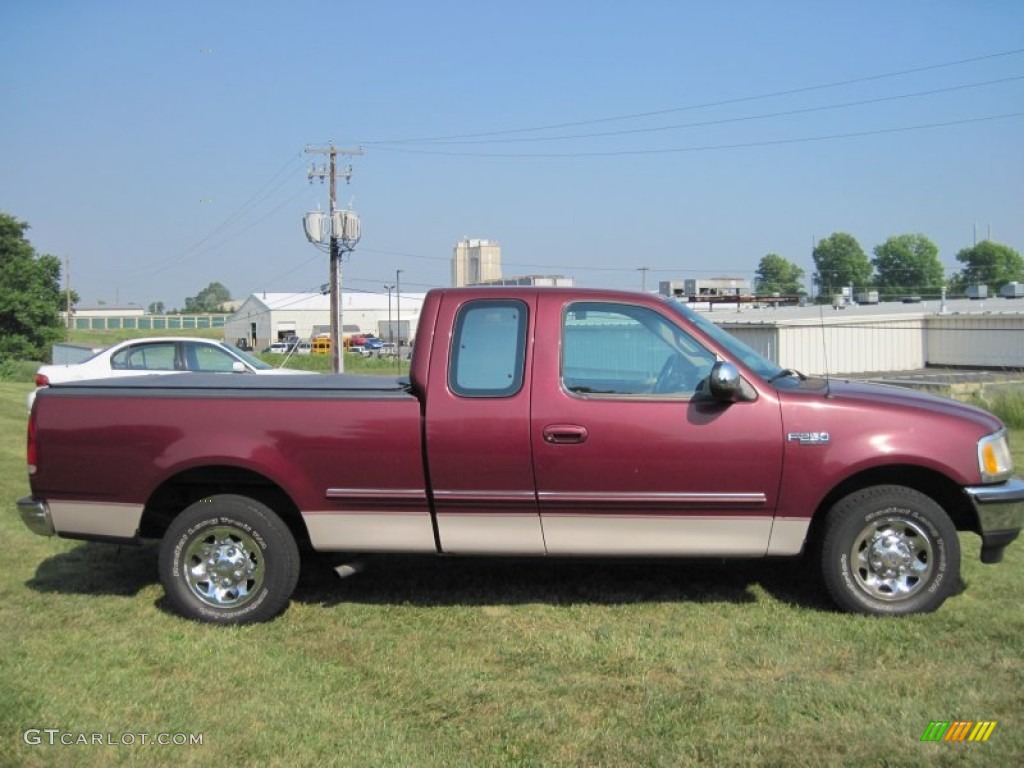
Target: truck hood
(869,395)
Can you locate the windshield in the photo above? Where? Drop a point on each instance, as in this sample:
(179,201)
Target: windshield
(255,362)
(763,368)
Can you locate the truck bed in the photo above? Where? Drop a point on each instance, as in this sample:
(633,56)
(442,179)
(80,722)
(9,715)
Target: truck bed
(334,444)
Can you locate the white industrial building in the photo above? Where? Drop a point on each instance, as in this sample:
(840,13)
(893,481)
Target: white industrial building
(264,318)
(706,286)
(883,337)
(532,281)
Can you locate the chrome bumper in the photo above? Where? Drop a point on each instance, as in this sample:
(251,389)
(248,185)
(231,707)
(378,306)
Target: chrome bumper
(1000,511)
(35,513)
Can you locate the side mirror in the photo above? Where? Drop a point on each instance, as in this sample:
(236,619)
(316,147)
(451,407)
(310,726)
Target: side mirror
(238,367)
(726,385)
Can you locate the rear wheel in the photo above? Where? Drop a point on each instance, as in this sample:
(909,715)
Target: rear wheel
(889,550)
(229,559)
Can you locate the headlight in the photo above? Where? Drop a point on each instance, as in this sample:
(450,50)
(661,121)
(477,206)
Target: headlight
(994,458)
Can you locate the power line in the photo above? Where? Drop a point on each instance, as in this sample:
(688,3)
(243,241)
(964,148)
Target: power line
(261,195)
(706,105)
(726,120)
(709,147)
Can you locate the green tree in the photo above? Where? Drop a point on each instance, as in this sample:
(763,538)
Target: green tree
(840,262)
(210,299)
(156,308)
(30,296)
(908,264)
(988,263)
(776,274)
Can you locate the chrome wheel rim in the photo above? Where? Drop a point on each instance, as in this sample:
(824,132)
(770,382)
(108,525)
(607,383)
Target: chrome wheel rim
(892,558)
(223,567)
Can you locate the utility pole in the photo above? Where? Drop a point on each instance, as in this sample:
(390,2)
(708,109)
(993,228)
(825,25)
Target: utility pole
(337,364)
(643,280)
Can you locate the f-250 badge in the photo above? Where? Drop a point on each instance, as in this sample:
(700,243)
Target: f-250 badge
(809,438)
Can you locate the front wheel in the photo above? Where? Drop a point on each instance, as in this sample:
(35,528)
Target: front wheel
(228,559)
(889,550)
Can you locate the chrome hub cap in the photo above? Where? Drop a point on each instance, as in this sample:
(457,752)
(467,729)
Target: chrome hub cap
(892,558)
(224,567)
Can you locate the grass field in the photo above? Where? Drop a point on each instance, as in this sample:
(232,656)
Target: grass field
(428,662)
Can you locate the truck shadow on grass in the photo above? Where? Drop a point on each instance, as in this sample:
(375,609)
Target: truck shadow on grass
(97,569)
(423,580)
(459,581)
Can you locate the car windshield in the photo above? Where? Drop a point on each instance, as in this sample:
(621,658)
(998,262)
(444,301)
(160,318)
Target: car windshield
(255,362)
(766,369)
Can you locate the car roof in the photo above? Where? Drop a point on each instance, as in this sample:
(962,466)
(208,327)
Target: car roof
(151,339)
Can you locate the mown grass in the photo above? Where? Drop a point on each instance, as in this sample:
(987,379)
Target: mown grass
(431,662)
(353,363)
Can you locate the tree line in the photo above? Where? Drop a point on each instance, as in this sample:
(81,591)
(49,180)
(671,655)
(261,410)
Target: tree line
(903,265)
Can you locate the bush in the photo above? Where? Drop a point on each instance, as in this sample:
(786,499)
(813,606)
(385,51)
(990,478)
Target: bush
(18,370)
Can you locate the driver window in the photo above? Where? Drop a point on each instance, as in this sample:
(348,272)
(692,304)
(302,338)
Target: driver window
(203,357)
(618,349)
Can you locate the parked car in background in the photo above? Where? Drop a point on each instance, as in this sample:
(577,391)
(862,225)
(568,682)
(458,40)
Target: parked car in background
(139,357)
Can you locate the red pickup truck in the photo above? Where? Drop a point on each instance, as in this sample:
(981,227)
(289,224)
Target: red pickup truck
(534,422)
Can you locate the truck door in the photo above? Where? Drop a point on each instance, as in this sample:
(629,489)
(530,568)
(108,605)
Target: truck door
(477,426)
(629,459)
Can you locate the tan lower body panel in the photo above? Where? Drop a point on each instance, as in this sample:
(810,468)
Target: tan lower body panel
(490,534)
(498,534)
(656,535)
(370,532)
(94,518)
(788,536)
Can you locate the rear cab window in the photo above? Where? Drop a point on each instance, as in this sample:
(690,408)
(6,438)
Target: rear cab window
(488,349)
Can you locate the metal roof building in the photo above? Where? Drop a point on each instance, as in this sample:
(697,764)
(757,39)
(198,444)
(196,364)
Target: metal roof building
(264,318)
(883,337)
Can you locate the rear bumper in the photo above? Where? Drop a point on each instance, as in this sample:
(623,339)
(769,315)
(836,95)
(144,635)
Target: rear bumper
(35,513)
(1000,511)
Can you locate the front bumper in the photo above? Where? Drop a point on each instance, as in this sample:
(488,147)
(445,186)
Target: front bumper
(35,513)
(1000,509)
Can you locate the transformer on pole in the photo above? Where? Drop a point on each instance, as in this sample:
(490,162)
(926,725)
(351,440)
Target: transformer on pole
(342,229)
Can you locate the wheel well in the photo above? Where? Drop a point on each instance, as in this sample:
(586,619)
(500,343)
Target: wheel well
(187,487)
(946,493)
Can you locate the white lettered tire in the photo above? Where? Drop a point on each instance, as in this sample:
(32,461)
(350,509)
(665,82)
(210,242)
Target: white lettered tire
(889,550)
(228,559)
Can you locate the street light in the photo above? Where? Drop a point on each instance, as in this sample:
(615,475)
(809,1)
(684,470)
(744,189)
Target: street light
(391,328)
(398,307)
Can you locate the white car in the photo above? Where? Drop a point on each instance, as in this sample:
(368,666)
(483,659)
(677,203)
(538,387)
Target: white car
(168,354)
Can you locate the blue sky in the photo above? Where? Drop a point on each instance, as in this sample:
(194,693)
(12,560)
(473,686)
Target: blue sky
(122,118)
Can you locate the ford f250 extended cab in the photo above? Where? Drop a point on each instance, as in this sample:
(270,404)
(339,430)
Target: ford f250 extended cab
(544,422)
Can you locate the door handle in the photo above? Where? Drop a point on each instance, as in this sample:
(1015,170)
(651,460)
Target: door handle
(560,434)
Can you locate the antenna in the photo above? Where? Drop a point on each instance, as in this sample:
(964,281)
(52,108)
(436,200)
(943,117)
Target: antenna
(824,348)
